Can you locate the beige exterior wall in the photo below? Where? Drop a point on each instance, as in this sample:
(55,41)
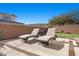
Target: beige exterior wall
(13,18)
(1,16)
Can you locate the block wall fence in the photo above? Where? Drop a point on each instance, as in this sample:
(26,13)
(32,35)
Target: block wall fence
(10,31)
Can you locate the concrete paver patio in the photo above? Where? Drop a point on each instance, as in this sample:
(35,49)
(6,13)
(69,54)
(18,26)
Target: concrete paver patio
(19,48)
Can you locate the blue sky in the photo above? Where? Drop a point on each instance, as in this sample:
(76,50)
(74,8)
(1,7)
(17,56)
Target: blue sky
(30,13)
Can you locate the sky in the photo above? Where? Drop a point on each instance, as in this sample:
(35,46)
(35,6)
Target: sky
(32,13)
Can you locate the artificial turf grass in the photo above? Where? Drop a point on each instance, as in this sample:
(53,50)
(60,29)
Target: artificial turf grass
(63,35)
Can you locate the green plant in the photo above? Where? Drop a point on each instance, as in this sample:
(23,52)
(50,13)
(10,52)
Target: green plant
(62,31)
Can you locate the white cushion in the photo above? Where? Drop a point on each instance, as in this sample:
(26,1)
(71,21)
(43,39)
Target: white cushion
(44,38)
(24,36)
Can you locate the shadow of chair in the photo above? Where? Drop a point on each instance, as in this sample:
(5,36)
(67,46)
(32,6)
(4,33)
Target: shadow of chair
(57,45)
(31,40)
(2,46)
(1,54)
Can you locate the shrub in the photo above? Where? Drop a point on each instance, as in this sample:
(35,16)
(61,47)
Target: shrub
(62,31)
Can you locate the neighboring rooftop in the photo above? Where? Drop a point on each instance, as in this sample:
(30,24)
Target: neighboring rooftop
(10,22)
(9,19)
(8,14)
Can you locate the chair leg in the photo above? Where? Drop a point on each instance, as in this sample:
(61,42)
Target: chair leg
(50,41)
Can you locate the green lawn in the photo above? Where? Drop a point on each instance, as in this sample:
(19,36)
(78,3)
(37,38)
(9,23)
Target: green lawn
(63,35)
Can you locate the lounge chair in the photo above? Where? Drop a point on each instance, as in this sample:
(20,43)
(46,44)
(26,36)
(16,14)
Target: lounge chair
(33,34)
(50,35)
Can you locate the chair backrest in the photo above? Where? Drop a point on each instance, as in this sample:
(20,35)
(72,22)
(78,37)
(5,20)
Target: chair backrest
(50,32)
(35,31)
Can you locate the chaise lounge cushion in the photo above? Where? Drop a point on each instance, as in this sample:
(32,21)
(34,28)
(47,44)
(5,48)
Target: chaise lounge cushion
(33,34)
(25,36)
(45,38)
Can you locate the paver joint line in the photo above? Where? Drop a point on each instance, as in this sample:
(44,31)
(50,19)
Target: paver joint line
(23,51)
